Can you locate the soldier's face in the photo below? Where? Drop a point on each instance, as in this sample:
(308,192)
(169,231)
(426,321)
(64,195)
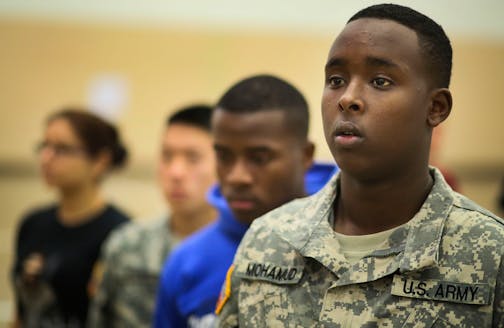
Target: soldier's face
(376,99)
(260,165)
(186,167)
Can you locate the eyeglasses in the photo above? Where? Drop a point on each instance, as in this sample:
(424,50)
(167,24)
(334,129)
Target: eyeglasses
(58,149)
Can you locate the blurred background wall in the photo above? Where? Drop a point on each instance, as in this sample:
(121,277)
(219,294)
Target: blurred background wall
(137,61)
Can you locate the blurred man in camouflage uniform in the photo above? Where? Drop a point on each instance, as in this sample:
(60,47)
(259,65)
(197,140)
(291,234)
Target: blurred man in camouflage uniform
(386,243)
(133,256)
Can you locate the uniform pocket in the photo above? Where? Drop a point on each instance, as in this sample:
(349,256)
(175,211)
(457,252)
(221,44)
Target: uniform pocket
(421,318)
(264,305)
(268,305)
(138,290)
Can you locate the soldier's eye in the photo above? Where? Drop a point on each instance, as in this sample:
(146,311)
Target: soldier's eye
(335,81)
(381,82)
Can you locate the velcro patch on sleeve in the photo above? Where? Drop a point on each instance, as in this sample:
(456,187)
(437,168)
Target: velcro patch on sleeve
(273,273)
(225,292)
(438,290)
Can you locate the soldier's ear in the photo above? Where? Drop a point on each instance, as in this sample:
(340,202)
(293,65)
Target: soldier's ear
(308,153)
(440,106)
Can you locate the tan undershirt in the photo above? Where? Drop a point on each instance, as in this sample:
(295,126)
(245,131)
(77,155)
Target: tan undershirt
(356,247)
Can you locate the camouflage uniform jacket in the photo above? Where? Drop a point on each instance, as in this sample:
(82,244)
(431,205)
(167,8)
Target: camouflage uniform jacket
(444,268)
(132,260)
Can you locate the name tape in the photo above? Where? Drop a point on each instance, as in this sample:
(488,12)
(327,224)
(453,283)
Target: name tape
(441,290)
(272,273)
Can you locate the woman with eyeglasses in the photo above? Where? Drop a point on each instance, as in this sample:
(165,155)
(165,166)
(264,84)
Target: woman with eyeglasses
(58,245)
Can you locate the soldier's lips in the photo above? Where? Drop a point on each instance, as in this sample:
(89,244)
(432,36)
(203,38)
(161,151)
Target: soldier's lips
(177,195)
(347,140)
(241,205)
(347,134)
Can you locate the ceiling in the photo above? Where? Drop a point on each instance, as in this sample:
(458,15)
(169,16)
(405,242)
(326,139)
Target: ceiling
(480,19)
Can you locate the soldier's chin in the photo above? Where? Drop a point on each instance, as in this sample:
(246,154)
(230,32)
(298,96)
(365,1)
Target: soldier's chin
(245,217)
(182,208)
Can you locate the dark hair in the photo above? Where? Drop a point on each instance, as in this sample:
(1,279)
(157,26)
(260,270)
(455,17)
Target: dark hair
(195,115)
(267,93)
(95,133)
(433,41)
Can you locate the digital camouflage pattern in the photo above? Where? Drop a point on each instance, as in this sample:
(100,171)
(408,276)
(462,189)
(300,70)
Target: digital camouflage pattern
(444,268)
(132,261)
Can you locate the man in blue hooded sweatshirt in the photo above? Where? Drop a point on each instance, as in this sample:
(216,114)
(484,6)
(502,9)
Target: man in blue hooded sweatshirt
(264,160)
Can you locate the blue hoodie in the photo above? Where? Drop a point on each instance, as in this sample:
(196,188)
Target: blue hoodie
(192,277)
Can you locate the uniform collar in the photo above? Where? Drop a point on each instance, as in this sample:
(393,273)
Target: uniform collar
(313,236)
(426,228)
(416,244)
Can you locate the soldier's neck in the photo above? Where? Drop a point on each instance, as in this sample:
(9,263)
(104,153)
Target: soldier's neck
(362,209)
(186,223)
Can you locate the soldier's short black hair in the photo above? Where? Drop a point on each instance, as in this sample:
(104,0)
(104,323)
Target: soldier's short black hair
(265,93)
(433,41)
(195,115)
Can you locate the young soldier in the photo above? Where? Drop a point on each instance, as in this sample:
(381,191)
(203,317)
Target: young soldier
(386,243)
(134,255)
(260,129)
